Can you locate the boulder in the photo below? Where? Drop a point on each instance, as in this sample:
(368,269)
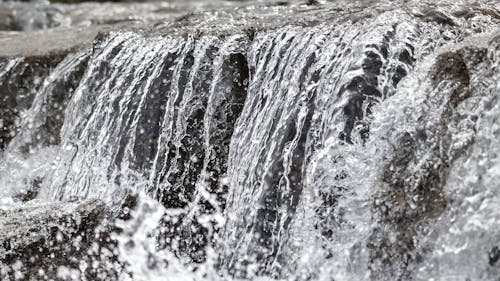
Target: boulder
(56,241)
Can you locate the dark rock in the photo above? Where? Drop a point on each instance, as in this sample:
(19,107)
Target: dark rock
(363,89)
(43,241)
(185,231)
(128,203)
(493,255)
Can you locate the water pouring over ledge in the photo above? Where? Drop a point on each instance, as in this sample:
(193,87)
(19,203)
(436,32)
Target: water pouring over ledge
(334,141)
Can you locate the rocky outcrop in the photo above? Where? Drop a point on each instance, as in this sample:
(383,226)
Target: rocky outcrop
(56,241)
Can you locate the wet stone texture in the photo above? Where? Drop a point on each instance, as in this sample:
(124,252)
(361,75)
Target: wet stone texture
(44,241)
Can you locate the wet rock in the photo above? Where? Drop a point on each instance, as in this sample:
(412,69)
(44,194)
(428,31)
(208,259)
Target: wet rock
(20,78)
(24,68)
(43,15)
(493,255)
(198,154)
(21,16)
(363,89)
(30,193)
(411,198)
(47,241)
(128,203)
(47,43)
(46,116)
(180,189)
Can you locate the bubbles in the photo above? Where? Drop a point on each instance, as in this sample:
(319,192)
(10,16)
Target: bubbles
(6,203)
(66,273)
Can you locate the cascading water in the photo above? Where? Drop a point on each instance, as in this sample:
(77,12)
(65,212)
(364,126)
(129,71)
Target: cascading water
(314,97)
(38,125)
(359,148)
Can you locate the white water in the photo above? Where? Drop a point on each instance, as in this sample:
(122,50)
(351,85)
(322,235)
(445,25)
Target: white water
(307,181)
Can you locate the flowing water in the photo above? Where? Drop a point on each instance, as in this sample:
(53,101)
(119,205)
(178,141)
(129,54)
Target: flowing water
(362,147)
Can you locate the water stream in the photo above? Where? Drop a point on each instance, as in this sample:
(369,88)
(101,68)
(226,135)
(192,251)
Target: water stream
(359,148)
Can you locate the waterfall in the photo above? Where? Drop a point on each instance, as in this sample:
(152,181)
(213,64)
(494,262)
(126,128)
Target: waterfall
(359,148)
(302,157)
(178,106)
(34,125)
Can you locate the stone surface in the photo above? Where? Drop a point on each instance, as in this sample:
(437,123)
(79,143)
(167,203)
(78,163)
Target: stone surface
(45,241)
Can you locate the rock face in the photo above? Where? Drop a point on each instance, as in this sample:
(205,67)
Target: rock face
(284,140)
(55,240)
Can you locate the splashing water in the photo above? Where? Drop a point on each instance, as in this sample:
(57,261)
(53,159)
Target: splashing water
(352,149)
